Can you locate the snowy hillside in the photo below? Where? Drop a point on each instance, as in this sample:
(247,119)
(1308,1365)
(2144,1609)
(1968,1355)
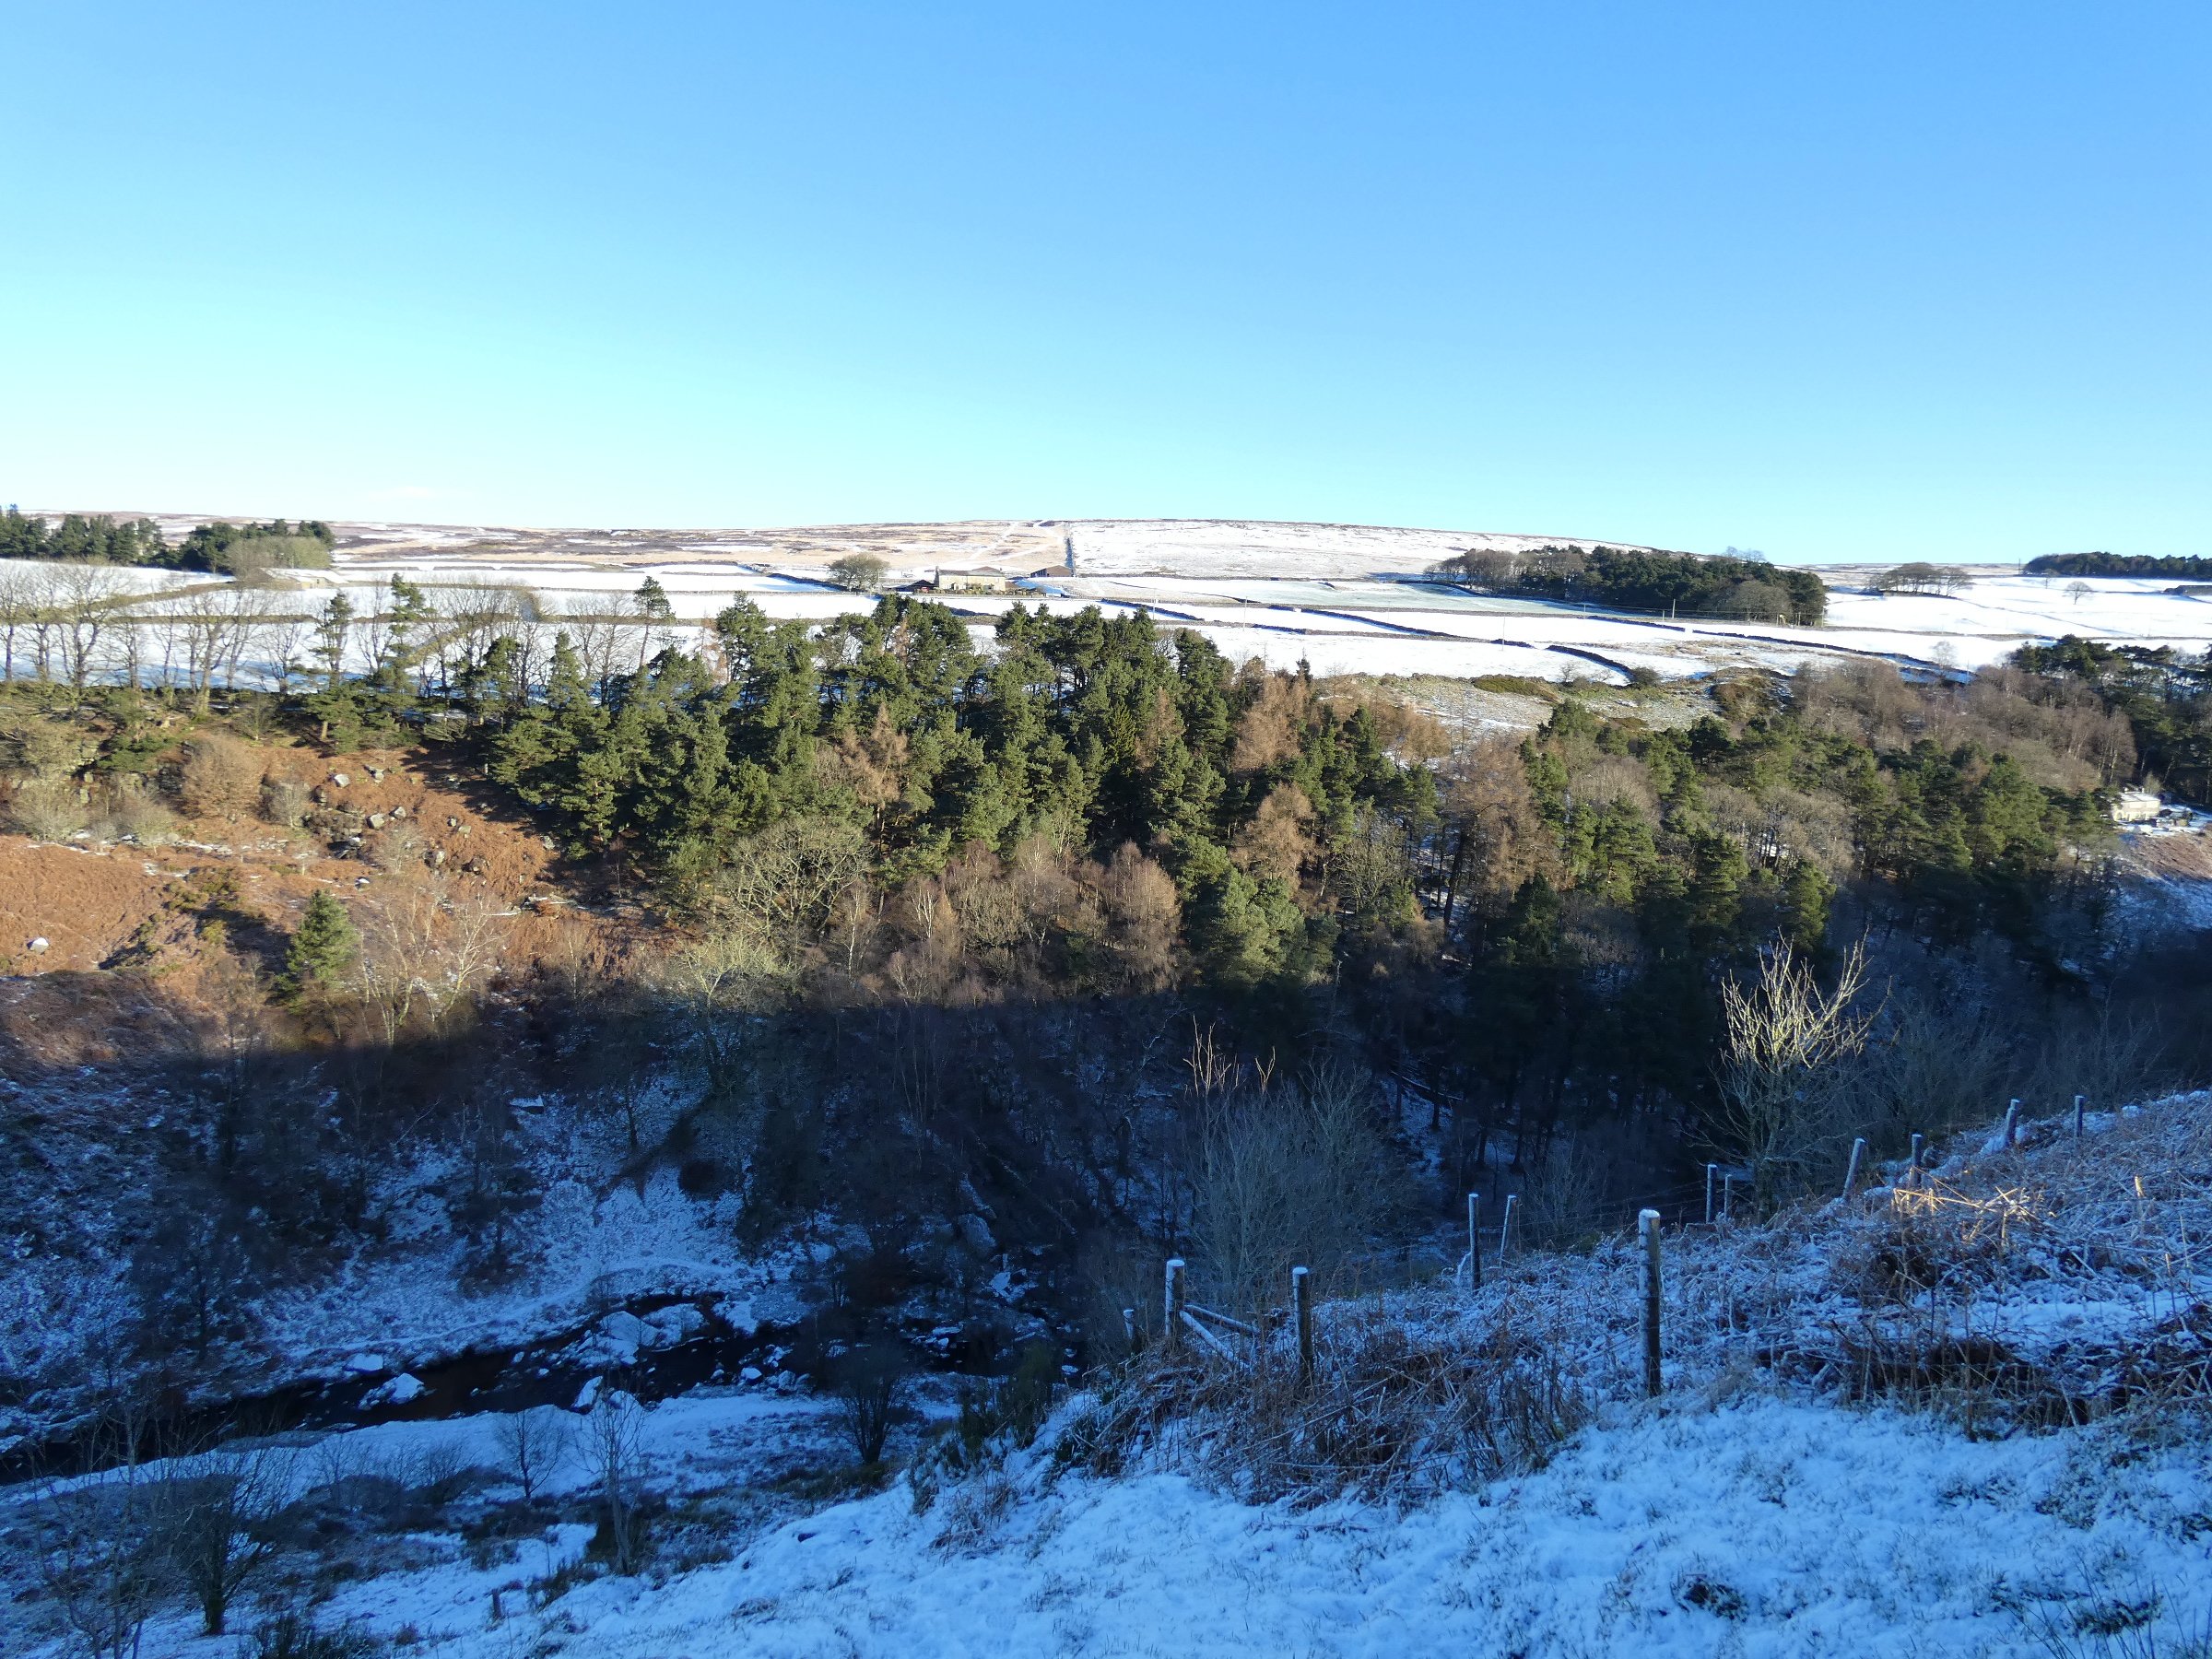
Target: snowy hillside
(1961,1412)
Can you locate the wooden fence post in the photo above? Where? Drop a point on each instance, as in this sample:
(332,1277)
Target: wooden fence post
(1727,1195)
(2012,1125)
(1129,1328)
(1851,1176)
(1912,1170)
(1171,1338)
(1505,1227)
(1647,1226)
(1473,1240)
(1711,1170)
(1302,1316)
(2079,1102)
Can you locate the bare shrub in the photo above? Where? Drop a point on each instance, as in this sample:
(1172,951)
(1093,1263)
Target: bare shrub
(294,1634)
(221,779)
(135,815)
(46,809)
(1561,1199)
(1394,1411)
(286,803)
(1944,1061)
(2107,1056)
(868,1380)
(1286,1175)
(1784,1074)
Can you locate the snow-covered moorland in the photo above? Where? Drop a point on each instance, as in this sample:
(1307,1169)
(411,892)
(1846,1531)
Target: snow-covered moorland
(1961,1412)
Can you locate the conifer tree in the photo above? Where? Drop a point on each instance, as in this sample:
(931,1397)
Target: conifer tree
(322,947)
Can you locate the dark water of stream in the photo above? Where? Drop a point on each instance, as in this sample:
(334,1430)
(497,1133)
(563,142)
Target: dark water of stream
(553,1371)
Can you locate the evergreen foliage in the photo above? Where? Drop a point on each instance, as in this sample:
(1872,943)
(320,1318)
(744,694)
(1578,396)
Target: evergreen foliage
(2165,696)
(1636,579)
(323,947)
(85,539)
(2187,567)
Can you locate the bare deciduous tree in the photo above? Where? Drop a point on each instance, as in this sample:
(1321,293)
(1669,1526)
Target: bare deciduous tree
(99,1558)
(616,1428)
(1284,1174)
(424,948)
(535,1445)
(1784,1067)
(215,1513)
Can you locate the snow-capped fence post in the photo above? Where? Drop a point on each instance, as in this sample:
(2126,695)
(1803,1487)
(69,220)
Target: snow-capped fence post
(1474,1241)
(1302,1316)
(1711,1170)
(1129,1328)
(1505,1227)
(2080,1102)
(1171,1334)
(1912,1166)
(2012,1125)
(1851,1176)
(1647,1227)
(1727,1195)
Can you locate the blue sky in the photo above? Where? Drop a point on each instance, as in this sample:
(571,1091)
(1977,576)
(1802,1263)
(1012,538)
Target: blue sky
(1835,281)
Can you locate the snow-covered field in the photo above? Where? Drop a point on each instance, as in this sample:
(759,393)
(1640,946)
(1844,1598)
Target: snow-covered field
(1344,599)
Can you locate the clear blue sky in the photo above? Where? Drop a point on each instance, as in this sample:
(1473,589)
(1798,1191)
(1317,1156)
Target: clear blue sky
(1832,280)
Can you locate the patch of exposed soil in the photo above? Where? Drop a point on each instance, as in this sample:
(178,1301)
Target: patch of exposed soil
(117,917)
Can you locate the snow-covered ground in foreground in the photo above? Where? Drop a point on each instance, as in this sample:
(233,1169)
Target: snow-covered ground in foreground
(1768,1528)
(1758,1527)
(1750,1510)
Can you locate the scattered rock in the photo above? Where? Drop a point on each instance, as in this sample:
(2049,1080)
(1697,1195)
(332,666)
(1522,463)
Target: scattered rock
(437,858)
(976,1234)
(340,779)
(366,1364)
(451,822)
(679,1321)
(399,812)
(376,821)
(37,947)
(376,774)
(475,867)
(625,1334)
(547,842)
(397,1392)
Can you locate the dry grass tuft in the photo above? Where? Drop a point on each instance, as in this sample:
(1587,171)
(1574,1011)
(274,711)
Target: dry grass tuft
(1394,1411)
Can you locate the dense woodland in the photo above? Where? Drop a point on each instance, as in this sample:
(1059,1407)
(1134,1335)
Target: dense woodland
(231,549)
(2181,566)
(1071,925)
(1688,584)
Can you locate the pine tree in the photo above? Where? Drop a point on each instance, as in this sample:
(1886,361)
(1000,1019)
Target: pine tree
(331,634)
(323,948)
